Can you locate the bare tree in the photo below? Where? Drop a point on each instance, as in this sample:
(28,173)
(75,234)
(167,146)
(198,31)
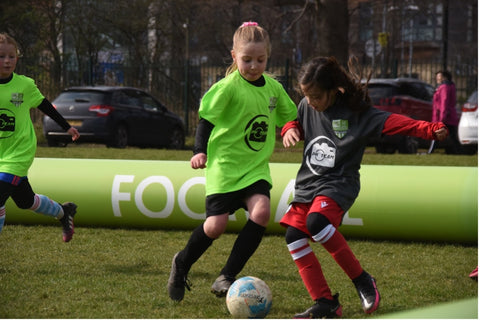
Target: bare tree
(321,27)
(36,27)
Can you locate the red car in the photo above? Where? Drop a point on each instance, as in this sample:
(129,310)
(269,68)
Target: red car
(406,96)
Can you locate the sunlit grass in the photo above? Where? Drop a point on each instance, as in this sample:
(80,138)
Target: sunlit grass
(121,273)
(118,273)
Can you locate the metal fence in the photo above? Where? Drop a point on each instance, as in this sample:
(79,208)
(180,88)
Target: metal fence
(181,87)
(464,72)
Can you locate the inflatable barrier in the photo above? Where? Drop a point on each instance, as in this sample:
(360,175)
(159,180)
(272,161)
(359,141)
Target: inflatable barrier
(395,202)
(463,309)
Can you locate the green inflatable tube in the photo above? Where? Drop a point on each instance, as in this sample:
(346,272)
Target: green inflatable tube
(463,309)
(395,202)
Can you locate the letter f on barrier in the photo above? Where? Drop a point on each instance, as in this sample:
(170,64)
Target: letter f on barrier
(118,196)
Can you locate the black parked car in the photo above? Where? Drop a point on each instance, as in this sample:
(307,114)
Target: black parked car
(115,116)
(406,96)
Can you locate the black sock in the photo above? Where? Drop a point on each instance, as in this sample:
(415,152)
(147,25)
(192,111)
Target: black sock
(361,277)
(198,243)
(246,244)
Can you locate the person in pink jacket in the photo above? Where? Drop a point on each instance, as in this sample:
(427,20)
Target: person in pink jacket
(444,108)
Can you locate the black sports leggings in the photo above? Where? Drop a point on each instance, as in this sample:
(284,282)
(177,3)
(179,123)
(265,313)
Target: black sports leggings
(22,195)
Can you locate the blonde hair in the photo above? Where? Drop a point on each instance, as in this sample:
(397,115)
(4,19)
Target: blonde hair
(249,32)
(6,39)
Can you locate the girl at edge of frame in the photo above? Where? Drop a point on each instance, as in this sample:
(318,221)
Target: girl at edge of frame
(335,119)
(18,143)
(236,133)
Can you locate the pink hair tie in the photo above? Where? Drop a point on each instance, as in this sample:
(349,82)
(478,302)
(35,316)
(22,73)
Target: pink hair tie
(249,24)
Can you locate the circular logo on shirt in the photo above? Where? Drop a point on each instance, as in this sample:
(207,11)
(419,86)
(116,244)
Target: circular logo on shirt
(256,132)
(320,154)
(7,123)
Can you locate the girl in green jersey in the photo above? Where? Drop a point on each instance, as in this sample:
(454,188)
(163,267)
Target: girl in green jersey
(234,141)
(18,94)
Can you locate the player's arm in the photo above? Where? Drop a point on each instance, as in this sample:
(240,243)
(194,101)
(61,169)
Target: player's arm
(47,108)
(399,124)
(292,132)
(202,135)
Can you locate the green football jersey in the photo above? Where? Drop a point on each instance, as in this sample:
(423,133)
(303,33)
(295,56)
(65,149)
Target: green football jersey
(17,136)
(245,118)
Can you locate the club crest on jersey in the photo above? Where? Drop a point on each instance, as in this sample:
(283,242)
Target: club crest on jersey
(340,127)
(273,103)
(17,99)
(256,132)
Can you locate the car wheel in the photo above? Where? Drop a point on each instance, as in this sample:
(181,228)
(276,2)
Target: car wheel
(177,139)
(385,148)
(119,138)
(409,145)
(55,143)
(469,149)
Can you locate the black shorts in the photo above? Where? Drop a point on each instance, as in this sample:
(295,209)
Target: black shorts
(220,203)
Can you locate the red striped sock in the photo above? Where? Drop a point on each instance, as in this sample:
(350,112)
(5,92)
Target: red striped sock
(337,246)
(309,269)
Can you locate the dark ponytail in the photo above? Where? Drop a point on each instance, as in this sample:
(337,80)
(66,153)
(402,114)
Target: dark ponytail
(327,74)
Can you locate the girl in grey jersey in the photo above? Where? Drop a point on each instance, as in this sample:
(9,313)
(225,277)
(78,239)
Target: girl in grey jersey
(336,119)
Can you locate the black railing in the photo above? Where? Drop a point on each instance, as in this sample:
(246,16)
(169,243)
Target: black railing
(181,87)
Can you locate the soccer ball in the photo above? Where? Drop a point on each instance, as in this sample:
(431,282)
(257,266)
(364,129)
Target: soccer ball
(249,297)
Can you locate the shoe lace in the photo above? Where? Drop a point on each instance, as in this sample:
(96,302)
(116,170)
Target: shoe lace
(187,283)
(331,303)
(181,279)
(366,288)
(322,308)
(67,222)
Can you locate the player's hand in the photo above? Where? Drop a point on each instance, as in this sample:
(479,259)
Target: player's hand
(291,137)
(441,134)
(198,161)
(74,133)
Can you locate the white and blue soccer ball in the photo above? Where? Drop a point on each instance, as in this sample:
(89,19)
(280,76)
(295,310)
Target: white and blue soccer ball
(249,297)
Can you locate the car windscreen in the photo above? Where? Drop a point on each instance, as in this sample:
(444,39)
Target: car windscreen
(473,98)
(72,97)
(377,92)
(417,90)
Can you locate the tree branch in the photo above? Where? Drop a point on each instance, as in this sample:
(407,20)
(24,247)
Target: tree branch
(307,2)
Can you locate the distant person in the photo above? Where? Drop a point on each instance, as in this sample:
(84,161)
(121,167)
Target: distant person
(18,143)
(444,109)
(335,120)
(234,141)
